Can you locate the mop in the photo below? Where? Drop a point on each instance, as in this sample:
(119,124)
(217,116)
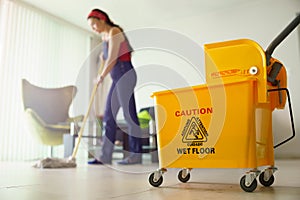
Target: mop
(70,162)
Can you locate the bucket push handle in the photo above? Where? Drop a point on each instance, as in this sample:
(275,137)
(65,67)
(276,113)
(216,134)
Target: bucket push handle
(291,116)
(290,27)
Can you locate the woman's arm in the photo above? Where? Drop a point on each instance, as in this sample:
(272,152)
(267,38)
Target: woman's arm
(116,37)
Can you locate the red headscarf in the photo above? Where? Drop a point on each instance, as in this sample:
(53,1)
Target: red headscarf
(97,15)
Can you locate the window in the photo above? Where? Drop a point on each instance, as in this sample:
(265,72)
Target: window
(46,51)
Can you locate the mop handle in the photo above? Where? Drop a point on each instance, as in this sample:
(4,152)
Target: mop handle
(87,114)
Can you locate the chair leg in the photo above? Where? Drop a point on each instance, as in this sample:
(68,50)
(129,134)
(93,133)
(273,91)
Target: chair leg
(69,144)
(51,151)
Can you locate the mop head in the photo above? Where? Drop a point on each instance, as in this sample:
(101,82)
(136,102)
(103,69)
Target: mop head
(56,163)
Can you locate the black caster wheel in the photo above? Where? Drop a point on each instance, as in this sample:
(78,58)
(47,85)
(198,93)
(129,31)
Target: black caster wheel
(185,179)
(155,183)
(249,188)
(267,183)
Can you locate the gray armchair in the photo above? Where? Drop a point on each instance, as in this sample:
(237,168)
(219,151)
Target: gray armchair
(47,112)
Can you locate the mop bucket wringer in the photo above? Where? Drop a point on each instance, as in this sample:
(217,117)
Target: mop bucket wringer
(227,122)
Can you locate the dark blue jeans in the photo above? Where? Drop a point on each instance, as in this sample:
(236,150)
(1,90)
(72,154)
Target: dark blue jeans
(121,95)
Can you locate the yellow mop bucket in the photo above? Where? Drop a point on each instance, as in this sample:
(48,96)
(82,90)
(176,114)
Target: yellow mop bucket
(227,122)
(213,125)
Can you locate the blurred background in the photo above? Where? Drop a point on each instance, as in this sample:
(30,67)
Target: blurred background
(50,44)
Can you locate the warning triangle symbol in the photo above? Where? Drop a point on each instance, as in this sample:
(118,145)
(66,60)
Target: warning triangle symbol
(194,131)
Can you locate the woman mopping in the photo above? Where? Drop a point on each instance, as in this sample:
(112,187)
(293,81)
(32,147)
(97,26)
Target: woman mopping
(117,62)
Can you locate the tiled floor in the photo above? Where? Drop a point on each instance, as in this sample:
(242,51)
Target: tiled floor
(20,181)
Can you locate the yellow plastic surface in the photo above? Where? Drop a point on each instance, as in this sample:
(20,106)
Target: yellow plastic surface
(232,60)
(212,127)
(225,123)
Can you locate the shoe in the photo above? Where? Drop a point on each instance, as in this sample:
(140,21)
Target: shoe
(131,160)
(95,162)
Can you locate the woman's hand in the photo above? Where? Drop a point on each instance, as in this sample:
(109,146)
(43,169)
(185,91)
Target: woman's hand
(99,79)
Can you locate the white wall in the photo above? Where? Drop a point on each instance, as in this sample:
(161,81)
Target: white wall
(260,21)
